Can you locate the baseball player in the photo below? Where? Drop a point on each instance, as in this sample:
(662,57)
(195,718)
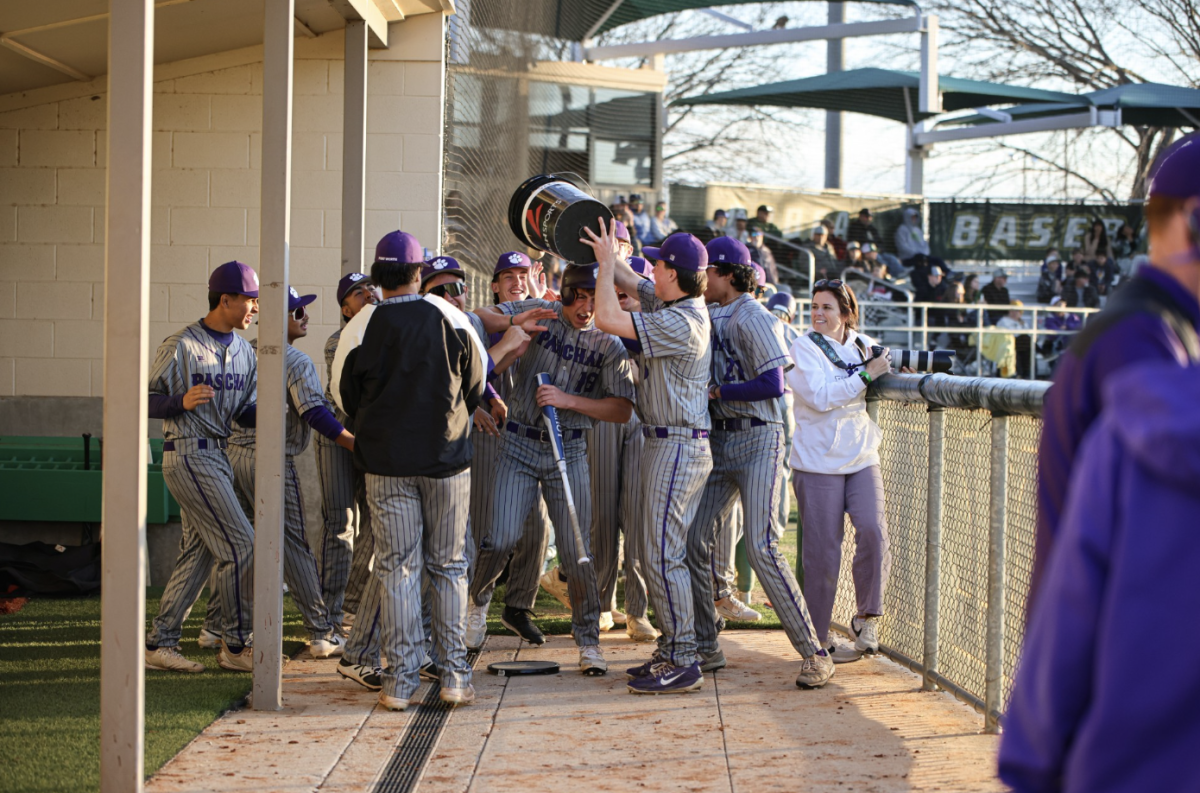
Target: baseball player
(590,381)
(748,362)
(203,379)
(783,306)
(672,402)
(512,281)
(410,389)
(345,554)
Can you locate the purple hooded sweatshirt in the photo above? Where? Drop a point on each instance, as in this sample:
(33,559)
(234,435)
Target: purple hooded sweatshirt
(1091,711)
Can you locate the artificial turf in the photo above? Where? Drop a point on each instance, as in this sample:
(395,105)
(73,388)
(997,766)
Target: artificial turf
(50,693)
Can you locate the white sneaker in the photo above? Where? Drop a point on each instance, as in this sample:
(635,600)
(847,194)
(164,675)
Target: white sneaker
(591,661)
(556,586)
(734,609)
(618,616)
(866,633)
(169,659)
(842,653)
(744,597)
(326,648)
(458,696)
(476,626)
(640,630)
(236,662)
(209,640)
(606,621)
(392,703)
(815,671)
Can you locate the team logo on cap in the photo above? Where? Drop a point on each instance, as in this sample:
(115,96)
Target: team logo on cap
(515,258)
(596,272)
(254,275)
(440,264)
(672,257)
(721,257)
(292,291)
(356,277)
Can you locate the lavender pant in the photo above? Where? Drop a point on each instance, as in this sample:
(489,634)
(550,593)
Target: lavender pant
(824,501)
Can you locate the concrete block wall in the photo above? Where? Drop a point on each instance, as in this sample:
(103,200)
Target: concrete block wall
(205,194)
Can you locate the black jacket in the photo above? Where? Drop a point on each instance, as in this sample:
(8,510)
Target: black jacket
(410,391)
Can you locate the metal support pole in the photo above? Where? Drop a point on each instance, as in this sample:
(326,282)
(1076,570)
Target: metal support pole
(835,62)
(272,346)
(914,172)
(997,508)
(354,148)
(126,372)
(933,541)
(930,98)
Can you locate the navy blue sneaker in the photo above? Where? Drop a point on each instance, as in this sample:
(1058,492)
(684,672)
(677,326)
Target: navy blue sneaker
(667,679)
(641,670)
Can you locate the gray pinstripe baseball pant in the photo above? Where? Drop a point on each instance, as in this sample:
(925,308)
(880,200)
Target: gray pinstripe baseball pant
(614,459)
(726,532)
(215,530)
(420,527)
(674,470)
(529,555)
(523,463)
(299,565)
(746,463)
(785,468)
(344,554)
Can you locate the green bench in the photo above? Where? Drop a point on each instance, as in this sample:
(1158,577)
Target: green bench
(44,479)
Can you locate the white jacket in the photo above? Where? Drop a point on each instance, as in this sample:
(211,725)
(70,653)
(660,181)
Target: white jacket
(833,434)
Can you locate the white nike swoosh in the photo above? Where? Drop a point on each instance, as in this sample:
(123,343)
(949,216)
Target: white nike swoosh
(669,679)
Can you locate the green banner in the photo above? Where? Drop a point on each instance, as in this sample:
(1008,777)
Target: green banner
(987,230)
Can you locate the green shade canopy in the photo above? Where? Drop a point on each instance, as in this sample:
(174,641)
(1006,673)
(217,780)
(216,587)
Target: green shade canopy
(877,92)
(573,19)
(1141,104)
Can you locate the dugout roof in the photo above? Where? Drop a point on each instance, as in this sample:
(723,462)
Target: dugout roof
(1149,104)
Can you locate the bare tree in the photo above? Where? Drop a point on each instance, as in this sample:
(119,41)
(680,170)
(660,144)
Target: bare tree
(1079,45)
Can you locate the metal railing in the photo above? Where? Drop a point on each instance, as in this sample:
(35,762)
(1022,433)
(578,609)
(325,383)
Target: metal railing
(915,323)
(959,465)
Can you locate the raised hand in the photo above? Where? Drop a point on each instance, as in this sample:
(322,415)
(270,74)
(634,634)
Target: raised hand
(537,281)
(198,395)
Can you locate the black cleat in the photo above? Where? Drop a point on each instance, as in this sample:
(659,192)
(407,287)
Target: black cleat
(518,621)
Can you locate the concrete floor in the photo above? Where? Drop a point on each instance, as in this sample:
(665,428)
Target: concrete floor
(748,729)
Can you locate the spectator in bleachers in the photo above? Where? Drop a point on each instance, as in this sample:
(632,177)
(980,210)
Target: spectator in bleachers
(762,220)
(1105,272)
(1082,294)
(761,255)
(1016,320)
(1096,241)
(839,244)
(996,294)
(827,262)
(1050,284)
(972,294)
(1077,258)
(911,242)
(1125,247)
(957,321)
(1062,321)
(930,288)
(1052,254)
(640,219)
(661,226)
(715,227)
(862,229)
(741,229)
(854,256)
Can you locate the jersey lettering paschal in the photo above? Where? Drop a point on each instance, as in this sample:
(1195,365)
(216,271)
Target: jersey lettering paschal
(193,357)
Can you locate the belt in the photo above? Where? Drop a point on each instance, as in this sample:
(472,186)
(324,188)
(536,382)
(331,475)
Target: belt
(667,432)
(185,445)
(733,425)
(540,435)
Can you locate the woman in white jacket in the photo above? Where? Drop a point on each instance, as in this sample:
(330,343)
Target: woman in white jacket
(835,465)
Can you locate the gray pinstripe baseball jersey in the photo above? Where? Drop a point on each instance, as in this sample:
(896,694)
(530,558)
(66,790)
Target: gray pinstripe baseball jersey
(583,362)
(303,394)
(199,476)
(673,407)
(747,464)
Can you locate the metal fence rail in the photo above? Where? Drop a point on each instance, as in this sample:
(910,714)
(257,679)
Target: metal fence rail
(959,463)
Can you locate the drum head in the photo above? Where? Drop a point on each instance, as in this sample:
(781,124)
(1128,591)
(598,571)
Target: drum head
(511,668)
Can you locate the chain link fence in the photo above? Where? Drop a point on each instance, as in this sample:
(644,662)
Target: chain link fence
(959,464)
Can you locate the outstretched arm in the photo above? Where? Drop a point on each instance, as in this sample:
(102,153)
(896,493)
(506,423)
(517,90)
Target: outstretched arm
(610,317)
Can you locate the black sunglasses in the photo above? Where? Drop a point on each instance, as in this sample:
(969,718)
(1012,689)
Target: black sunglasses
(452,289)
(835,283)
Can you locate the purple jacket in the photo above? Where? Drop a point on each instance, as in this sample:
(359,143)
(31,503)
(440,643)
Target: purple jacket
(1099,705)
(1065,322)
(1077,398)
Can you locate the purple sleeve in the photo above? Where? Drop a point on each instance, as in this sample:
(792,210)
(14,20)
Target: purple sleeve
(768,385)
(490,393)
(165,407)
(632,346)
(321,420)
(249,417)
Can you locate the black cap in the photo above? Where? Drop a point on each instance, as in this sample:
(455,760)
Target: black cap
(864,211)
(765,208)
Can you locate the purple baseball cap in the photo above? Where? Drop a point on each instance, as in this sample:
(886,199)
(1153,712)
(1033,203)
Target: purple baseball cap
(641,267)
(234,278)
(295,299)
(760,275)
(350,281)
(1177,174)
(512,259)
(727,249)
(399,246)
(442,264)
(782,301)
(622,231)
(680,250)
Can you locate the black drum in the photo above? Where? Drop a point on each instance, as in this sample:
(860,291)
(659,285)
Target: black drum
(549,213)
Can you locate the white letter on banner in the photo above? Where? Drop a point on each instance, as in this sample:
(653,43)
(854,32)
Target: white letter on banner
(1076,227)
(1112,226)
(1004,235)
(1041,231)
(841,222)
(966,231)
